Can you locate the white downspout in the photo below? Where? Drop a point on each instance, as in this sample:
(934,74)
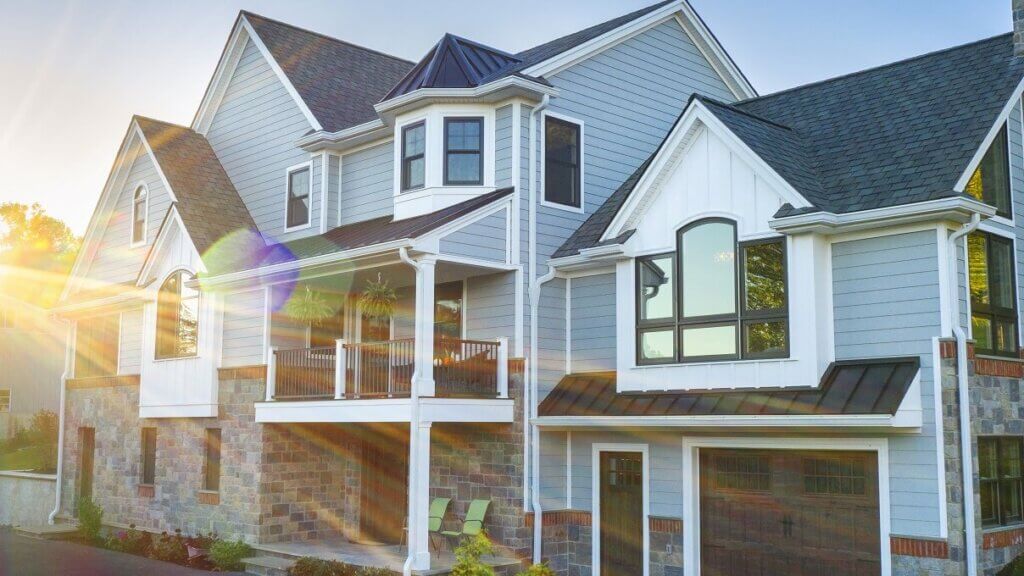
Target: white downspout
(531,441)
(966,455)
(414,428)
(68,362)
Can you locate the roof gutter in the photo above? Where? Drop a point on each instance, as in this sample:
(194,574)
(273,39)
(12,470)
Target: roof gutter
(495,91)
(956,208)
(345,139)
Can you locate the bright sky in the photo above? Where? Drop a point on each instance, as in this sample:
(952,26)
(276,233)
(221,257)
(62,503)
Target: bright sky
(73,72)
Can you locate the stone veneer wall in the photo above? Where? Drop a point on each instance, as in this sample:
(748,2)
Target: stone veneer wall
(111,405)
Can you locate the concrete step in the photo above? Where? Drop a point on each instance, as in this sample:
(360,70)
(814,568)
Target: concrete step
(267,566)
(47,532)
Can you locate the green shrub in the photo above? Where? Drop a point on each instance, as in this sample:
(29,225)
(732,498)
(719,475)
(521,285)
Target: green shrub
(131,541)
(1014,568)
(227,556)
(169,548)
(309,566)
(90,521)
(538,570)
(467,557)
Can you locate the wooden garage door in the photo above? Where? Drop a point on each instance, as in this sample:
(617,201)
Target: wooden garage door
(789,513)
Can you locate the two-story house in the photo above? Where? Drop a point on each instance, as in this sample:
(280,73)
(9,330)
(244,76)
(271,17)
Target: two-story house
(658,323)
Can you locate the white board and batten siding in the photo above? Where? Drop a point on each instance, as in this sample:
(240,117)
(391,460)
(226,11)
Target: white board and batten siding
(253,134)
(886,303)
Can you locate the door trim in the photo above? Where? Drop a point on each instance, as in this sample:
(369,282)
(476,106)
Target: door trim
(595,531)
(691,484)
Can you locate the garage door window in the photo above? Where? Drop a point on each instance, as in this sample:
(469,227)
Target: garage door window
(834,476)
(1001,474)
(747,472)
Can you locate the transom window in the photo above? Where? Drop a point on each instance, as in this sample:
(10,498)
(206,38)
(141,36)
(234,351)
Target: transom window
(1000,474)
(139,216)
(713,298)
(414,166)
(562,174)
(993,298)
(463,151)
(990,182)
(177,317)
(298,198)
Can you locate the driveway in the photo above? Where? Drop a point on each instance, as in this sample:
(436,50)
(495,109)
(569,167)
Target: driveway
(20,556)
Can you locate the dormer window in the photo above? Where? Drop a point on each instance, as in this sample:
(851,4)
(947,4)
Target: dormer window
(990,182)
(414,165)
(139,201)
(713,298)
(463,151)
(299,192)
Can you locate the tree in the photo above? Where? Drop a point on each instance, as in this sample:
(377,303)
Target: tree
(36,252)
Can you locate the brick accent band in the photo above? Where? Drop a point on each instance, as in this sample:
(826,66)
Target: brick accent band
(999,368)
(559,517)
(919,548)
(254,372)
(516,366)
(1002,539)
(103,382)
(947,348)
(205,497)
(669,525)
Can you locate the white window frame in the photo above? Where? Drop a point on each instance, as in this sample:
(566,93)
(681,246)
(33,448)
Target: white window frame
(200,301)
(595,514)
(1008,220)
(132,242)
(543,162)
(308,165)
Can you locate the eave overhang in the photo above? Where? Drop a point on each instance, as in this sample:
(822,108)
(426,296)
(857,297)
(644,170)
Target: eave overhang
(490,93)
(957,209)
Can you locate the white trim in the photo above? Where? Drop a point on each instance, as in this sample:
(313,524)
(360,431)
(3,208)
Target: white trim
(905,420)
(222,75)
(324,190)
(516,215)
(543,161)
(595,472)
(132,242)
(307,165)
(1004,115)
(345,140)
(341,175)
(490,93)
(387,410)
(568,325)
(178,411)
(568,469)
(945,306)
(940,436)
(691,483)
(173,216)
(955,208)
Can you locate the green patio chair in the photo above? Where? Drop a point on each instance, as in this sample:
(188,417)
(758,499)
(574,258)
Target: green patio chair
(472,525)
(435,518)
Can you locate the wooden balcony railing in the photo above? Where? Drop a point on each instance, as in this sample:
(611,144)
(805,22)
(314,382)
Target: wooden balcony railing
(462,368)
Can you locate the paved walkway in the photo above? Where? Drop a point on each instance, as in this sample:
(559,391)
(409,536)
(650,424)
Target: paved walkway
(20,556)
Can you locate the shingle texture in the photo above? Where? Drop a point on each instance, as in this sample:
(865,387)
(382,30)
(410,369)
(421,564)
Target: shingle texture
(338,81)
(207,201)
(855,387)
(888,136)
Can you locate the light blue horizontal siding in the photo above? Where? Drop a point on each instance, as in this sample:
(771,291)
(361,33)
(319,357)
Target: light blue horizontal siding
(367,184)
(253,133)
(485,239)
(552,470)
(333,184)
(503,147)
(130,354)
(886,303)
(490,306)
(551,344)
(243,329)
(593,323)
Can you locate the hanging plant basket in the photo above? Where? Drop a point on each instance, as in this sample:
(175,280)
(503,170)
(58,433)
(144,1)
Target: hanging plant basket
(378,299)
(309,307)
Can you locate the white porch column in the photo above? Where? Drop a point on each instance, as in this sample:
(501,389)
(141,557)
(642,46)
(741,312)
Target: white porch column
(425,326)
(271,373)
(340,368)
(419,498)
(502,366)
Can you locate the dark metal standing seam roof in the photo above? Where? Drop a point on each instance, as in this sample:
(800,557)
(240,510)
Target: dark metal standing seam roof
(849,387)
(454,63)
(893,135)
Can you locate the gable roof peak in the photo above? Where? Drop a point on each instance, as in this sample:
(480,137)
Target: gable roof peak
(252,15)
(455,62)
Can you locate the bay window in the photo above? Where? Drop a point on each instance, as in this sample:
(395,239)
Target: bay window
(713,298)
(463,151)
(414,166)
(993,295)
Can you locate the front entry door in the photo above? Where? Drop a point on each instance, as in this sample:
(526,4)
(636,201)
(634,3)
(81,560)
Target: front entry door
(384,487)
(87,442)
(789,513)
(622,513)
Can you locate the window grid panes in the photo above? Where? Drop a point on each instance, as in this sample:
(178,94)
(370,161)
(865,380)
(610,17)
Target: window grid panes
(990,182)
(414,166)
(713,298)
(298,198)
(743,472)
(177,322)
(835,476)
(562,172)
(992,288)
(463,151)
(139,216)
(1000,475)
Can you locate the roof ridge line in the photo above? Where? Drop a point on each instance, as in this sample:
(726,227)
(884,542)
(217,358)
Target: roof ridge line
(746,113)
(483,46)
(873,68)
(325,36)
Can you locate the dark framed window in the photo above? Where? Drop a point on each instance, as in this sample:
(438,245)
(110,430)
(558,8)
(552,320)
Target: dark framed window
(96,346)
(562,162)
(298,198)
(414,166)
(148,455)
(993,294)
(177,317)
(1000,474)
(139,216)
(463,151)
(713,298)
(990,182)
(211,466)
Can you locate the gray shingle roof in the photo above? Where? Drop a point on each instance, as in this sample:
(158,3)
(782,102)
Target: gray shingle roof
(338,81)
(893,135)
(208,203)
(851,387)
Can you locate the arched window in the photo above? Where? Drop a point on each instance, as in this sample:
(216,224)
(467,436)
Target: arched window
(177,317)
(713,298)
(139,216)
